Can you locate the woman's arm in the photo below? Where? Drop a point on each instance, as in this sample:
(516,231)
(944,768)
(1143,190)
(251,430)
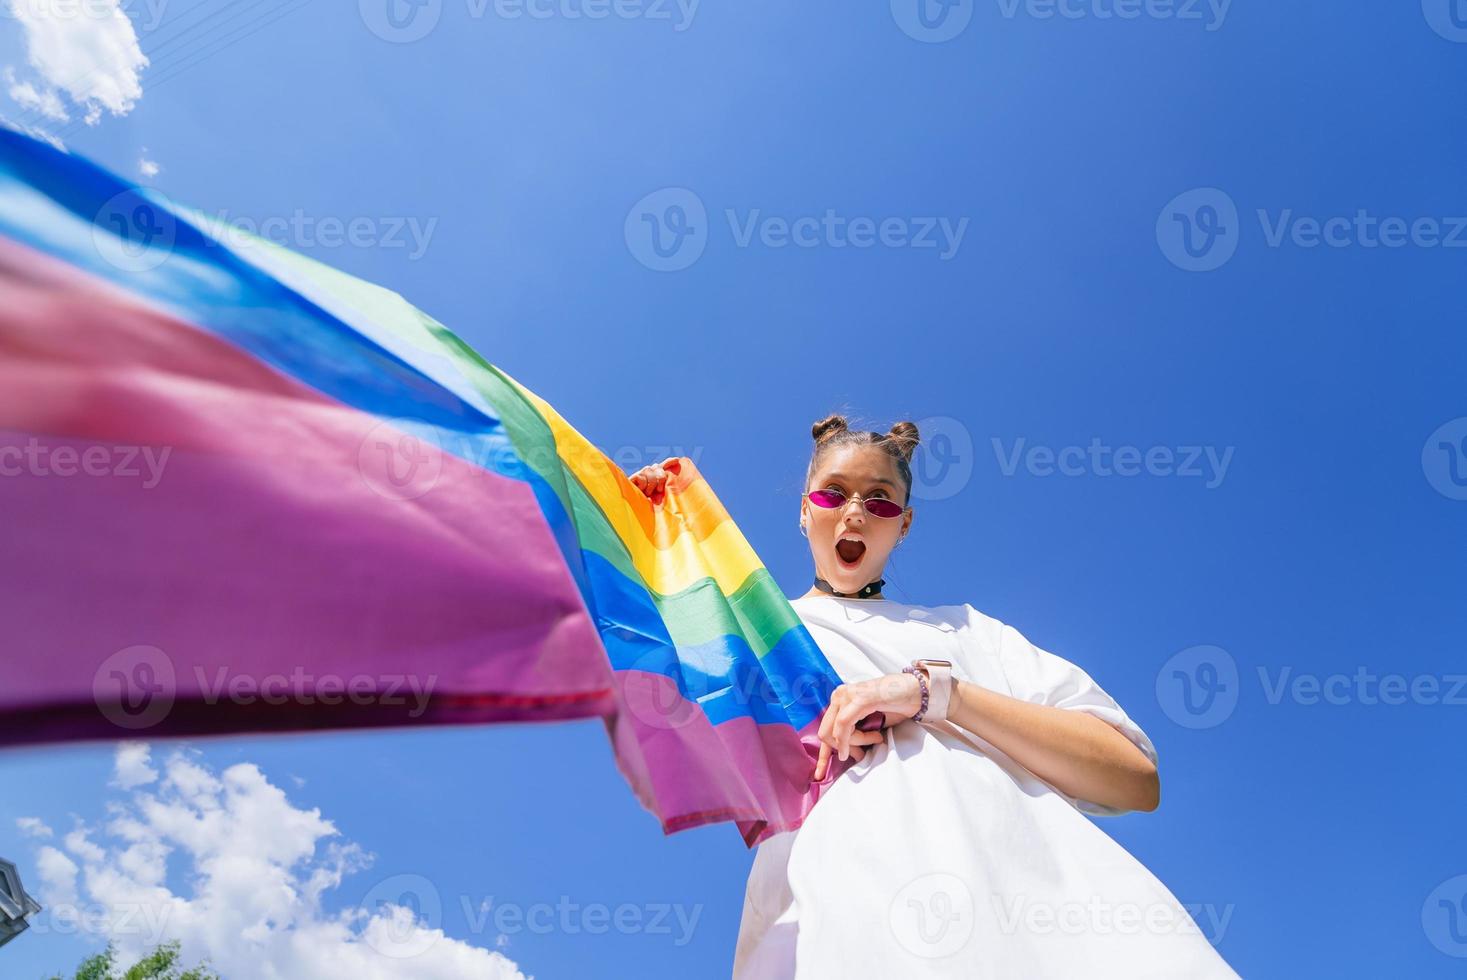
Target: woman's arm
(1078,753)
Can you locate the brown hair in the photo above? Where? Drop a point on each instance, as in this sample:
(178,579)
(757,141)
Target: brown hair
(899,443)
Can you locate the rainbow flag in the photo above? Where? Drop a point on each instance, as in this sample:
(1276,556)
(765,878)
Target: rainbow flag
(244,491)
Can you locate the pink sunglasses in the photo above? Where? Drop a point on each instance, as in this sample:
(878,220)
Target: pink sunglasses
(875,506)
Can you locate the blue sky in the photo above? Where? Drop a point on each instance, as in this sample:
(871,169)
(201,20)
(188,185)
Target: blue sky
(1221,245)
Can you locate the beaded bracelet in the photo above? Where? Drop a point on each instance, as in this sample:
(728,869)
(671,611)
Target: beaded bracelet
(922,683)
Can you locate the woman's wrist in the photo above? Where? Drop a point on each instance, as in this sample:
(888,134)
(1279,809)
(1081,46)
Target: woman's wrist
(937,690)
(924,690)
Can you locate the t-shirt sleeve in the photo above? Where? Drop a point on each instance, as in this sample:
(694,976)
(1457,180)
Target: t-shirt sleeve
(1041,677)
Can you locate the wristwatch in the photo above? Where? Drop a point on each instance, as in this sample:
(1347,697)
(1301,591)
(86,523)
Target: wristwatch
(940,685)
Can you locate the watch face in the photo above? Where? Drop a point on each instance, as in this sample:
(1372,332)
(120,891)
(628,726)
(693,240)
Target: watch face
(936,663)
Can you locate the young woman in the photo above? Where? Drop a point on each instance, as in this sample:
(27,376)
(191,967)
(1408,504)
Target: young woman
(957,845)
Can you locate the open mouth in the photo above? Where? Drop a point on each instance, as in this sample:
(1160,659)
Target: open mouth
(850,552)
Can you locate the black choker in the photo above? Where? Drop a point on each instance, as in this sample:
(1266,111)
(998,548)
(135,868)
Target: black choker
(865,593)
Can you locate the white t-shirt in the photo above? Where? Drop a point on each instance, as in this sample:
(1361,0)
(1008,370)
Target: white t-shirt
(936,855)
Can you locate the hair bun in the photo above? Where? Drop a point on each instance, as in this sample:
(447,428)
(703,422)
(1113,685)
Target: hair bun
(904,435)
(828,427)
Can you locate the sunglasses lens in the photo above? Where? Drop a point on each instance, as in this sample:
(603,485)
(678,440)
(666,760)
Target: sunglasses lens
(883,508)
(827,498)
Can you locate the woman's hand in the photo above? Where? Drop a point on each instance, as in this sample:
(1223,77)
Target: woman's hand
(897,696)
(652,479)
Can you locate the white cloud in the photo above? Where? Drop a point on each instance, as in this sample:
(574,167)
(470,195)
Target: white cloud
(86,50)
(31,131)
(46,102)
(146,167)
(131,767)
(254,872)
(58,877)
(33,827)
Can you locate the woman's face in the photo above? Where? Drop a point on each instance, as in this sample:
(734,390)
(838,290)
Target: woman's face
(863,470)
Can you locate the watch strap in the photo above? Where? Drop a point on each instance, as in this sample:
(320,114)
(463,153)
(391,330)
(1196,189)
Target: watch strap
(940,688)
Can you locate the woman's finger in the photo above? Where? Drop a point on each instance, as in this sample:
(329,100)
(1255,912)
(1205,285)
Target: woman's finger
(822,762)
(845,726)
